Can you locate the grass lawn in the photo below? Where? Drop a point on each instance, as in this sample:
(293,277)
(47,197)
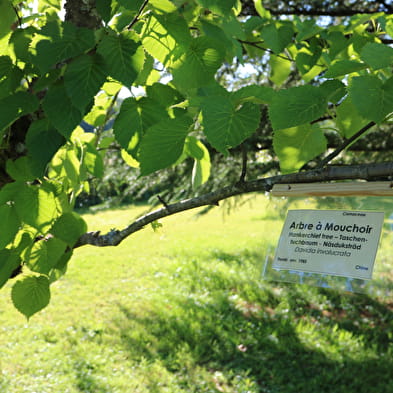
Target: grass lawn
(184,309)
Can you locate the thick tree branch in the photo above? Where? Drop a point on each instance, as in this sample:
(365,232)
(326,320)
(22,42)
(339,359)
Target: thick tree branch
(363,171)
(83,15)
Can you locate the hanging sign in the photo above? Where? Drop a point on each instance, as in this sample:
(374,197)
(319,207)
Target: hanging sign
(334,242)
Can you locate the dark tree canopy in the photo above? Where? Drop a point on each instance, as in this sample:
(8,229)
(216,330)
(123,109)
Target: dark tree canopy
(320,7)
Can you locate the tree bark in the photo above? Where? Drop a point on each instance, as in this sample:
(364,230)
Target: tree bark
(83,13)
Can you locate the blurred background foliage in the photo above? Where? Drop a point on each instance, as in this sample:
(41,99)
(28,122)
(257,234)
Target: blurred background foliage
(122,184)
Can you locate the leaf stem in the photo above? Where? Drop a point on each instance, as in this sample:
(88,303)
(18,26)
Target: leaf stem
(136,17)
(244,165)
(345,144)
(255,45)
(108,114)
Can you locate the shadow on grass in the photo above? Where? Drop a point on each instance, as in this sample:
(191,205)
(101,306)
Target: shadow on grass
(86,380)
(230,334)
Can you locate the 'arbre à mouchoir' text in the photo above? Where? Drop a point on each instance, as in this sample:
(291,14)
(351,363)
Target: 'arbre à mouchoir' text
(329,226)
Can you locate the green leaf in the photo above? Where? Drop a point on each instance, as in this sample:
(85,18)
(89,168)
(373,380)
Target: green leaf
(334,90)
(21,169)
(8,191)
(42,142)
(349,121)
(8,17)
(146,71)
(72,42)
(164,95)
(389,27)
(104,8)
(20,43)
(30,294)
(134,118)
(163,42)
(93,161)
(118,51)
(337,43)
(61,267)
(44,5)
(200,173)
(69,227)
(217,33)
(297,145)
(372,98)
(279,69)
(195,148)
(9,224)
(176,27)
(156,225)
(344,67)
(220,7)
(307,57)
(201,60)
(36,206)
(307,29)
(254,93)
(129,159)
(262,12)
(48,79)
(377,55)
(66,119)
(15,106)
(226,124)
(72,168)
(296,106)
(233,29)
(201,168)
(131,5)
(9,261)
(162,5)
(277,36)
(83,78)
(10,76)
(45,254)
(163,144)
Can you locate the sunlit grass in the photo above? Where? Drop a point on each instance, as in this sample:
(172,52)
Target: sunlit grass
(184,309)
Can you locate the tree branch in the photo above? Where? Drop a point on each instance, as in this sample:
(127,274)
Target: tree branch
(363,171)
(244,164)
(255,44)
(136,17)
(317,12)
(346,143)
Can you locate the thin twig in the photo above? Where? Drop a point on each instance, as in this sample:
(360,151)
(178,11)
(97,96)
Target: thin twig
(18,16)
(244,165)
(136,17)
(345,144)
(255,45)
(161,199)
(108,114)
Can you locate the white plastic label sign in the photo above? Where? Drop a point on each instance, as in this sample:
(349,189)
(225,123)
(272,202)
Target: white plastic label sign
(335,242)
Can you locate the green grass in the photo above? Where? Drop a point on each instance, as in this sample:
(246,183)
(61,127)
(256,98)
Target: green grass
(185,310)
